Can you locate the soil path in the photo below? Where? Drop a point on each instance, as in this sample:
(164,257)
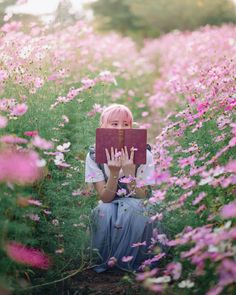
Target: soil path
(114,282)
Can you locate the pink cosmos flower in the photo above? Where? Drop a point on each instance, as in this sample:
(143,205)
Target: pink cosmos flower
(97,108)
(19,166)
(198,199)
(139,244)
(157,288)
(31,133)
(33,217)
(3,122)
(215,290)
(27,255)
(187,161)
(117,154)
(38,83)
(141,105)
(47,212)
(145,114)
(121,192)
(227,271)
(10,139)
(160,177)
(174,269)
(220,138)
(232,142)
(229,211)
(154,259)
(175,242)
(126,179)
(19,2)
(201,208)
(158,195)
(88,83)
(34,202)
(112,262)
(106,76)
(127,258)
(146,274)
(42,143)
(11,27)
(3,75)
(231,166)
(158,216)
(19,109)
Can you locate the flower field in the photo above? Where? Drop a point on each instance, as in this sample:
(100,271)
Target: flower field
(54,83)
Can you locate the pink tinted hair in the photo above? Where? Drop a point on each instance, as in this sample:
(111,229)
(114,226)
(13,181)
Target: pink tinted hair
(116,111)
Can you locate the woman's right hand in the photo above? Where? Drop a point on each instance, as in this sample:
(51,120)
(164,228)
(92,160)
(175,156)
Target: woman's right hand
(113,161)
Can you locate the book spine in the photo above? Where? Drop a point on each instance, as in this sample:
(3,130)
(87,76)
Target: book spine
(120,139)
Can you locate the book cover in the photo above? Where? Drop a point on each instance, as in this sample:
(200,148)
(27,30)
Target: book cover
(119,138)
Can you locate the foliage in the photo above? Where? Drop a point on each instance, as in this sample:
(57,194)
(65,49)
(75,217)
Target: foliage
(151,18)
(54,84)
(195,158)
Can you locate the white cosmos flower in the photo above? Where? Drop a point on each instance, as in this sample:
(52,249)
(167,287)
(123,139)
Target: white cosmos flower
(64,147)
(206,180)
(59,159)
(160,280)
(186,284)
(41,163)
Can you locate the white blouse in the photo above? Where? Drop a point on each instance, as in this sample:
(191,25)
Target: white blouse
(144,173)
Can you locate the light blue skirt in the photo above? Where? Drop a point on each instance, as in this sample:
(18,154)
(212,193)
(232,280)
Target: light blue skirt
(116,228)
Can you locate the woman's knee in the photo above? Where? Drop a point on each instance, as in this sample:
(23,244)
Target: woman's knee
(102,209)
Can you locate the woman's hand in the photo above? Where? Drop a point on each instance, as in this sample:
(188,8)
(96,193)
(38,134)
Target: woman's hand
(113,161)
(127,163)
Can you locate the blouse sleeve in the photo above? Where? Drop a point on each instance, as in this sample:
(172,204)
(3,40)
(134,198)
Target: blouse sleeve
(92,172)
(145,171)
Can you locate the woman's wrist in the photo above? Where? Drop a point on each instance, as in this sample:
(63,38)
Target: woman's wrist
(111,185)
(129,172)
(114,174)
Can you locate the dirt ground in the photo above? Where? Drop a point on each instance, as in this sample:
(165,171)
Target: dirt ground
(112,282)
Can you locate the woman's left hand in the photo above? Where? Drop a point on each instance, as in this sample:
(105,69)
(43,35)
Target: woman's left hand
(127,163)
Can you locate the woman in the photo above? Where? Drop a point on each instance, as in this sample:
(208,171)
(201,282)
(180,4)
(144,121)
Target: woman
(121,230)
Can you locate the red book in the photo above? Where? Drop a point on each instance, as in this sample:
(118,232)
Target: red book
(119,138)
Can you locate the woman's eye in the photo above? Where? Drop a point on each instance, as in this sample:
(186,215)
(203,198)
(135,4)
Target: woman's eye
(114,124)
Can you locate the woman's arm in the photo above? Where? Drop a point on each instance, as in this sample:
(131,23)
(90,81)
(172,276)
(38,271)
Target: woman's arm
(107,191)
(128,167)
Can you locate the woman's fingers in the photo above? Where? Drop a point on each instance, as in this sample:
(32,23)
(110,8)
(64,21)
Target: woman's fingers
(107,155)
(126,153)
(112,153)
(122,154)
(123,157)
(132,154)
